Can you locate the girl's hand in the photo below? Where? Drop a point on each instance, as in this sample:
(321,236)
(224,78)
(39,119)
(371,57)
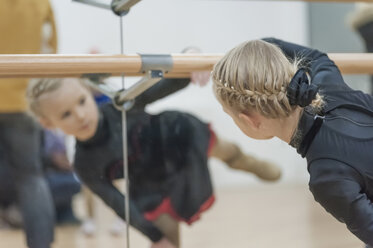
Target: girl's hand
(200,78)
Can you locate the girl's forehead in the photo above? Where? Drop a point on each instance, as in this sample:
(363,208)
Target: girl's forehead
(71,86)
(63,97)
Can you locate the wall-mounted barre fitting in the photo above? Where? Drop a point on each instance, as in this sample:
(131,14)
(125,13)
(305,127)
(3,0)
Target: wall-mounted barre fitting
(153,66)
(119,7)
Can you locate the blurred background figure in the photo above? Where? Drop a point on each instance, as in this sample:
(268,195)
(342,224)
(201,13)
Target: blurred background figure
(21,25)
(60,177)
(57,171)
(361,21)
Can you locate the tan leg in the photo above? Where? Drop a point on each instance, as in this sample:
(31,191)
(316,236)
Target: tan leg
(88,196)
(88,227)
(224,150)
(232,155)
(170,227)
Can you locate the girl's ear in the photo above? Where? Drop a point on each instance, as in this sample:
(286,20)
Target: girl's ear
(46,123)
(251,120)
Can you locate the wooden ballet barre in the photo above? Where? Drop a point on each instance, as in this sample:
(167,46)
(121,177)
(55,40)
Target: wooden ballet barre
(78,65)
(326,1)
(353,63)
(31,66)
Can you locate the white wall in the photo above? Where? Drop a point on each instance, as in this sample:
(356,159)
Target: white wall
(167,26)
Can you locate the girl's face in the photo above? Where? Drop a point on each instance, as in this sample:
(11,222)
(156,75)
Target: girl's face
(70,108)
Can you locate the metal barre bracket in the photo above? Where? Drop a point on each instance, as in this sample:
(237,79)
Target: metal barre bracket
(119,7)
(163,62)
(122,7)
(94,3)
(154,65)
(151,64)
(125,98)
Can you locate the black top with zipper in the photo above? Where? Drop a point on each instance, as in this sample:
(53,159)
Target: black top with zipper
(340,154)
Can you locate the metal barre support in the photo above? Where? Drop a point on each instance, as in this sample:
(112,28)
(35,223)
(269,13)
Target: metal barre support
(154,66)
(94,3)
(119,7)
(162,62)
(151,78)
(122,7)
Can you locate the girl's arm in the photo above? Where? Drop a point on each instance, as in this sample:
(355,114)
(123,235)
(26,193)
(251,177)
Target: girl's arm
(165,87)
(115,200)
(322,70)
(338,188)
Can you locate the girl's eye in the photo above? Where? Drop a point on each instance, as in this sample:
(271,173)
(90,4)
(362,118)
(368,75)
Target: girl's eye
(65,114)
(82,101)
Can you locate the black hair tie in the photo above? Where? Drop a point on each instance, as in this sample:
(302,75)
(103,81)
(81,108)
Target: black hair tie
(300,91)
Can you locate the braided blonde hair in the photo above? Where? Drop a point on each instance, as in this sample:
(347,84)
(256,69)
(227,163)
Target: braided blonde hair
(39,87)
(255,75)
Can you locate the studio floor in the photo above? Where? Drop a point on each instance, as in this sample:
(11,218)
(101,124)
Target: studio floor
(267,216)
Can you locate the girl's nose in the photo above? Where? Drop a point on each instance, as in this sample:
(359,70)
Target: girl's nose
(80,114)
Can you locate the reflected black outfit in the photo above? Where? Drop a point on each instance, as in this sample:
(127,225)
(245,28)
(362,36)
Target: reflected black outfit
(340,155)
(167,156)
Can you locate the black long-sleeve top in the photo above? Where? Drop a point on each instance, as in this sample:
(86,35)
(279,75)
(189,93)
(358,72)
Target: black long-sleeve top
(167,156)
(340,157)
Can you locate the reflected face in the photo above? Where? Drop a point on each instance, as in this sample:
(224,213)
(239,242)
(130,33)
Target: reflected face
(70,108)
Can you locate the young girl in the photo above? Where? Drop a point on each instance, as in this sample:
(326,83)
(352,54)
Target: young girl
(167,154)
(305,102)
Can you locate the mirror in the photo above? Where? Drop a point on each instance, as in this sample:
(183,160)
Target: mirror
(177,165)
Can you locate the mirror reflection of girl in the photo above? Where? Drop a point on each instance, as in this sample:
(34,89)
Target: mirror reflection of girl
(167,154)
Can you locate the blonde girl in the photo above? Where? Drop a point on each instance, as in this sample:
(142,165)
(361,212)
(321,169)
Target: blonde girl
(272,88)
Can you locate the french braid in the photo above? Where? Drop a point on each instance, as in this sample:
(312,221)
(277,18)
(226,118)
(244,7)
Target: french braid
(255,75)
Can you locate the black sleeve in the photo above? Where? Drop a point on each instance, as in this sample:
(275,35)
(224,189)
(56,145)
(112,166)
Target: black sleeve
(115,200)
(337,187)
(323,70)
(160,90)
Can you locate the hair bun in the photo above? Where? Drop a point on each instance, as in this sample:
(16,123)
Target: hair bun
(300,92)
